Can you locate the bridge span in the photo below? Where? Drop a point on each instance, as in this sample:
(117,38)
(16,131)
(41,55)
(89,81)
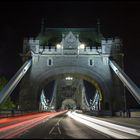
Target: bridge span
(69,63)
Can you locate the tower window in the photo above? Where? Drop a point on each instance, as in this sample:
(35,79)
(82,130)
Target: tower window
(91,62)
(50,62)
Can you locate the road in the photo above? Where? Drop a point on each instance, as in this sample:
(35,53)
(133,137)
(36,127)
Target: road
(15,126)
(63,125)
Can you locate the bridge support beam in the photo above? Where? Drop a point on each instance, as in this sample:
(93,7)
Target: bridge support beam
(10,86)
(130,85)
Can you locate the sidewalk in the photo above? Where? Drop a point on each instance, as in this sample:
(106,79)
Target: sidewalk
(129,122)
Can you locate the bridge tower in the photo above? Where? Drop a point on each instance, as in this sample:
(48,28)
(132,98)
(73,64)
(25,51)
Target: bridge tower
(72,52)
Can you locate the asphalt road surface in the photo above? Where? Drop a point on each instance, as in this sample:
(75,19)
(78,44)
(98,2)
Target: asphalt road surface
(61,127)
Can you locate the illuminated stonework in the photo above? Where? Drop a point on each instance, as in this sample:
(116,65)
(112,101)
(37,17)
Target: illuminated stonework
(72,51)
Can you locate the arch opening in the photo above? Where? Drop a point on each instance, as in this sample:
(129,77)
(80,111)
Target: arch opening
(68,86)
(42,79)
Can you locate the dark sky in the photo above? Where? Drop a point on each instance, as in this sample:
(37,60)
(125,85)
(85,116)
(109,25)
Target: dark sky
(19,19)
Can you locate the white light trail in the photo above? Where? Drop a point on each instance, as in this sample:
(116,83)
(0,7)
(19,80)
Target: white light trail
(110,129)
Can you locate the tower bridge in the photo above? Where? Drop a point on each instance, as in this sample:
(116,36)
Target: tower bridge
(70,56)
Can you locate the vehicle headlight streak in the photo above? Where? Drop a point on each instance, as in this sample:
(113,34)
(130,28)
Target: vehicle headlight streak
(111,129)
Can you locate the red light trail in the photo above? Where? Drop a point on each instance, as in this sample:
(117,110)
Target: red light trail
(22,124)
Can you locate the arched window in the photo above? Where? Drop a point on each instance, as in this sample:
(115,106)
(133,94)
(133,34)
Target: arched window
(91,62)
(50,62)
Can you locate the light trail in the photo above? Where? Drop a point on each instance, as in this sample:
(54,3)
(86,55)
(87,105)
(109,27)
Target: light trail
(16,129)
(110,129)
(13,130)
(21,118)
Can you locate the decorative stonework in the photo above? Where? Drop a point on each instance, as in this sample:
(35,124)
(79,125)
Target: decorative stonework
(70,43)
(87,63)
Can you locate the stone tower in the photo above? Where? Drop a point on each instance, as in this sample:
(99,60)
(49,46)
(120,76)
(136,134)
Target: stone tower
(62,52)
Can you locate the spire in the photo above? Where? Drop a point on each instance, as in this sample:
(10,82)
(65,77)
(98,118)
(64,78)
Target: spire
(98,26)
(42,25)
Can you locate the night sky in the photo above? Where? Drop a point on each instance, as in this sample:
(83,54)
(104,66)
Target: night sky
(20,19)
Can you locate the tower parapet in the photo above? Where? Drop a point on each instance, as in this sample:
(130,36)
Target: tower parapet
(70,44)
(34,45)
(111,46)
(108,46)
(25,45)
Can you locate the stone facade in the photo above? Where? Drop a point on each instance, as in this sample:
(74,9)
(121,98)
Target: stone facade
(72,57)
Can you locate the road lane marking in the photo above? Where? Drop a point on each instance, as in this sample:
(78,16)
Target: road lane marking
(56,125)
(51,130)
(59,130)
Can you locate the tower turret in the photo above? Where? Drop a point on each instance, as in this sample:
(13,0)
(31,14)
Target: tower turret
(42,25)
(98,26)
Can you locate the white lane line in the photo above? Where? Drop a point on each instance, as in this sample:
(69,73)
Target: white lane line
(59,130)
(51,130)
(57,124)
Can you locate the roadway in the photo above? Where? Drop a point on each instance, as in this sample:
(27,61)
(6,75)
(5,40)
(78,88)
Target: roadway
(62,125)
(55,125)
